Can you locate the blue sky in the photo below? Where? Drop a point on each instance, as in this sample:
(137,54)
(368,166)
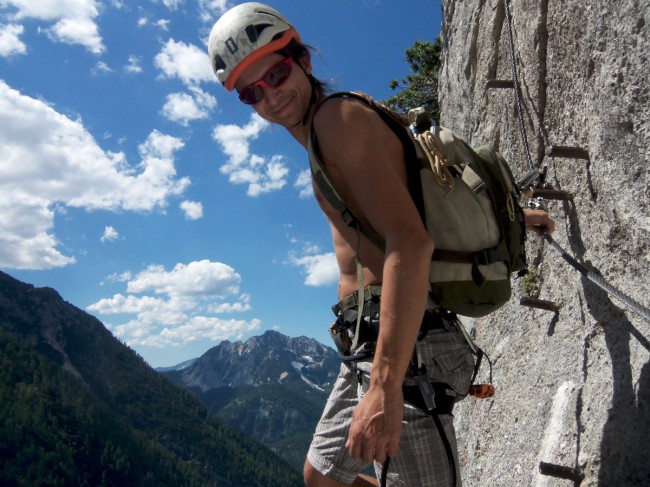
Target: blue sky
(137,187)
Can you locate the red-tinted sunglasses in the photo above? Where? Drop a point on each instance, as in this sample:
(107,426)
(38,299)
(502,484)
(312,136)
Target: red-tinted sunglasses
(274,77)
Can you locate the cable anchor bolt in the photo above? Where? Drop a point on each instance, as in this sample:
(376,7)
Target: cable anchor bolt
(567,152)
(499,83)
(552,194)
(538,303)
(561,472)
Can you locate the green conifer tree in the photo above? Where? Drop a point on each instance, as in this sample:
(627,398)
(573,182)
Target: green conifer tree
(419,89)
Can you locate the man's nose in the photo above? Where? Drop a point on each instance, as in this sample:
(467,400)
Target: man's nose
(272,94)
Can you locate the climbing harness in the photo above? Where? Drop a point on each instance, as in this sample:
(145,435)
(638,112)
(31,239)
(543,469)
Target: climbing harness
(584,270)
(433,398)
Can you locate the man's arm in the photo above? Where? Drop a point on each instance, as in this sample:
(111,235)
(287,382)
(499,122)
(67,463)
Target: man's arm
(365,160)
(538,221)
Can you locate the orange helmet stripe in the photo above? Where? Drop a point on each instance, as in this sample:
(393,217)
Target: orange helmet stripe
(258,54)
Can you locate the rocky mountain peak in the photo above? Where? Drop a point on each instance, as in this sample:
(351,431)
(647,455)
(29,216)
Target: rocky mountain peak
(265,359)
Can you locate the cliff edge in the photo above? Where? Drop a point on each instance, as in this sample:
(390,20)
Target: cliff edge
(572,386)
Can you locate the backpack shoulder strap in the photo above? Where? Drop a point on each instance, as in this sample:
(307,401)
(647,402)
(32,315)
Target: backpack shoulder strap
(319,172)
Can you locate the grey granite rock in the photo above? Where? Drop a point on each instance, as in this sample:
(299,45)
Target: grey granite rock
(573,387)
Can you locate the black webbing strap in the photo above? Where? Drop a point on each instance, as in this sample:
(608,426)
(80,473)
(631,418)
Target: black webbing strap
(447,445)
(329,192)
(479,257)
(444,401)
(444,405)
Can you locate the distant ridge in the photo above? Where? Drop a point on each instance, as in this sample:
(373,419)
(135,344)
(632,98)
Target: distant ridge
(181,366)
(80,408)
(266,359)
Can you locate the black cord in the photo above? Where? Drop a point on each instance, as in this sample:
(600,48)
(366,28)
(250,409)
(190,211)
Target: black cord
(448,449)
(384,472)
(445,442)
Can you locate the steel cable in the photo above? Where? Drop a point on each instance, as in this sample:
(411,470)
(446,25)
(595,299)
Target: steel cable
(599,281)
(515,81)
(591,275)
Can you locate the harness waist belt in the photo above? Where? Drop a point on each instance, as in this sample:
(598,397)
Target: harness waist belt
(352,300)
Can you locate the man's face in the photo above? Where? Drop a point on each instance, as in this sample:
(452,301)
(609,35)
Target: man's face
(286,103)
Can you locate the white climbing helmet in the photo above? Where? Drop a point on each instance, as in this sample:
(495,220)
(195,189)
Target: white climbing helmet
(243,35)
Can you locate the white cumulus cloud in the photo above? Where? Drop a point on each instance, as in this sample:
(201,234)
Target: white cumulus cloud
(262,175)
(163,24)
(320,270)
(184,108)
(48,160)
(186,62)
(109,235)
(303,184)
(210,10)
(74,20)
(101,67)
(133,65)
(196,278)
(193,209)
(179,306)
(10,43)
(171,4)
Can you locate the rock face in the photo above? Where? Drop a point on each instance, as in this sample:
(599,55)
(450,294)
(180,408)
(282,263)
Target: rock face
(573,387)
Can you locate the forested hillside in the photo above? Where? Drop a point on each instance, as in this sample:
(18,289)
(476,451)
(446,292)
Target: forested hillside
(80,408)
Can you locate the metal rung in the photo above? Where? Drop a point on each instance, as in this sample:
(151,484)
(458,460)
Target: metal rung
(538,303)
(552,194)
(561,472)
(499,83)
(567,152)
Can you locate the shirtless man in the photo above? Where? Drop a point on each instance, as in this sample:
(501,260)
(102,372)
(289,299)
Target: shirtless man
(257,52)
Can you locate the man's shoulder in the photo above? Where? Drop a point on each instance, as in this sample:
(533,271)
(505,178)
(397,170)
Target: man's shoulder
(343,113)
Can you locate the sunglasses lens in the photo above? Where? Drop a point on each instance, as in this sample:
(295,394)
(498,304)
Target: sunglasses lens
(251,94)
(274,77)
(277,75)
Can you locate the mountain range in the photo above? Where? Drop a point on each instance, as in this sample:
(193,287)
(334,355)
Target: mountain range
(78,407)
(272,388)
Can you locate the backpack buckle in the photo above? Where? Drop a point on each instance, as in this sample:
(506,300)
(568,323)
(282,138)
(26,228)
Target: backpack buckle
(487,256)
(348,218)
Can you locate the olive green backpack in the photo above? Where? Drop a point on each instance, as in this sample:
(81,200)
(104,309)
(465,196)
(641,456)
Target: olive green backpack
(467,199)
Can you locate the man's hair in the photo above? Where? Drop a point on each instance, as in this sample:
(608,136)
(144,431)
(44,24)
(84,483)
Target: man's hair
(296,50)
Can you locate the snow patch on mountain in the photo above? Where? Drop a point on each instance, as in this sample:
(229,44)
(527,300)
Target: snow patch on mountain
(299,366)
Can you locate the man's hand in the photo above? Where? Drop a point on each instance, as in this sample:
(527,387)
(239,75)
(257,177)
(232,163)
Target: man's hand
(538,221)
(376,426)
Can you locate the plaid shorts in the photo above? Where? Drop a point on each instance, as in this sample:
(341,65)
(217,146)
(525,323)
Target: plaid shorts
(422,459)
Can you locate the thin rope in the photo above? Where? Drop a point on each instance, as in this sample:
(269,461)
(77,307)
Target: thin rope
(384,472)
(361,298)
(437,161)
